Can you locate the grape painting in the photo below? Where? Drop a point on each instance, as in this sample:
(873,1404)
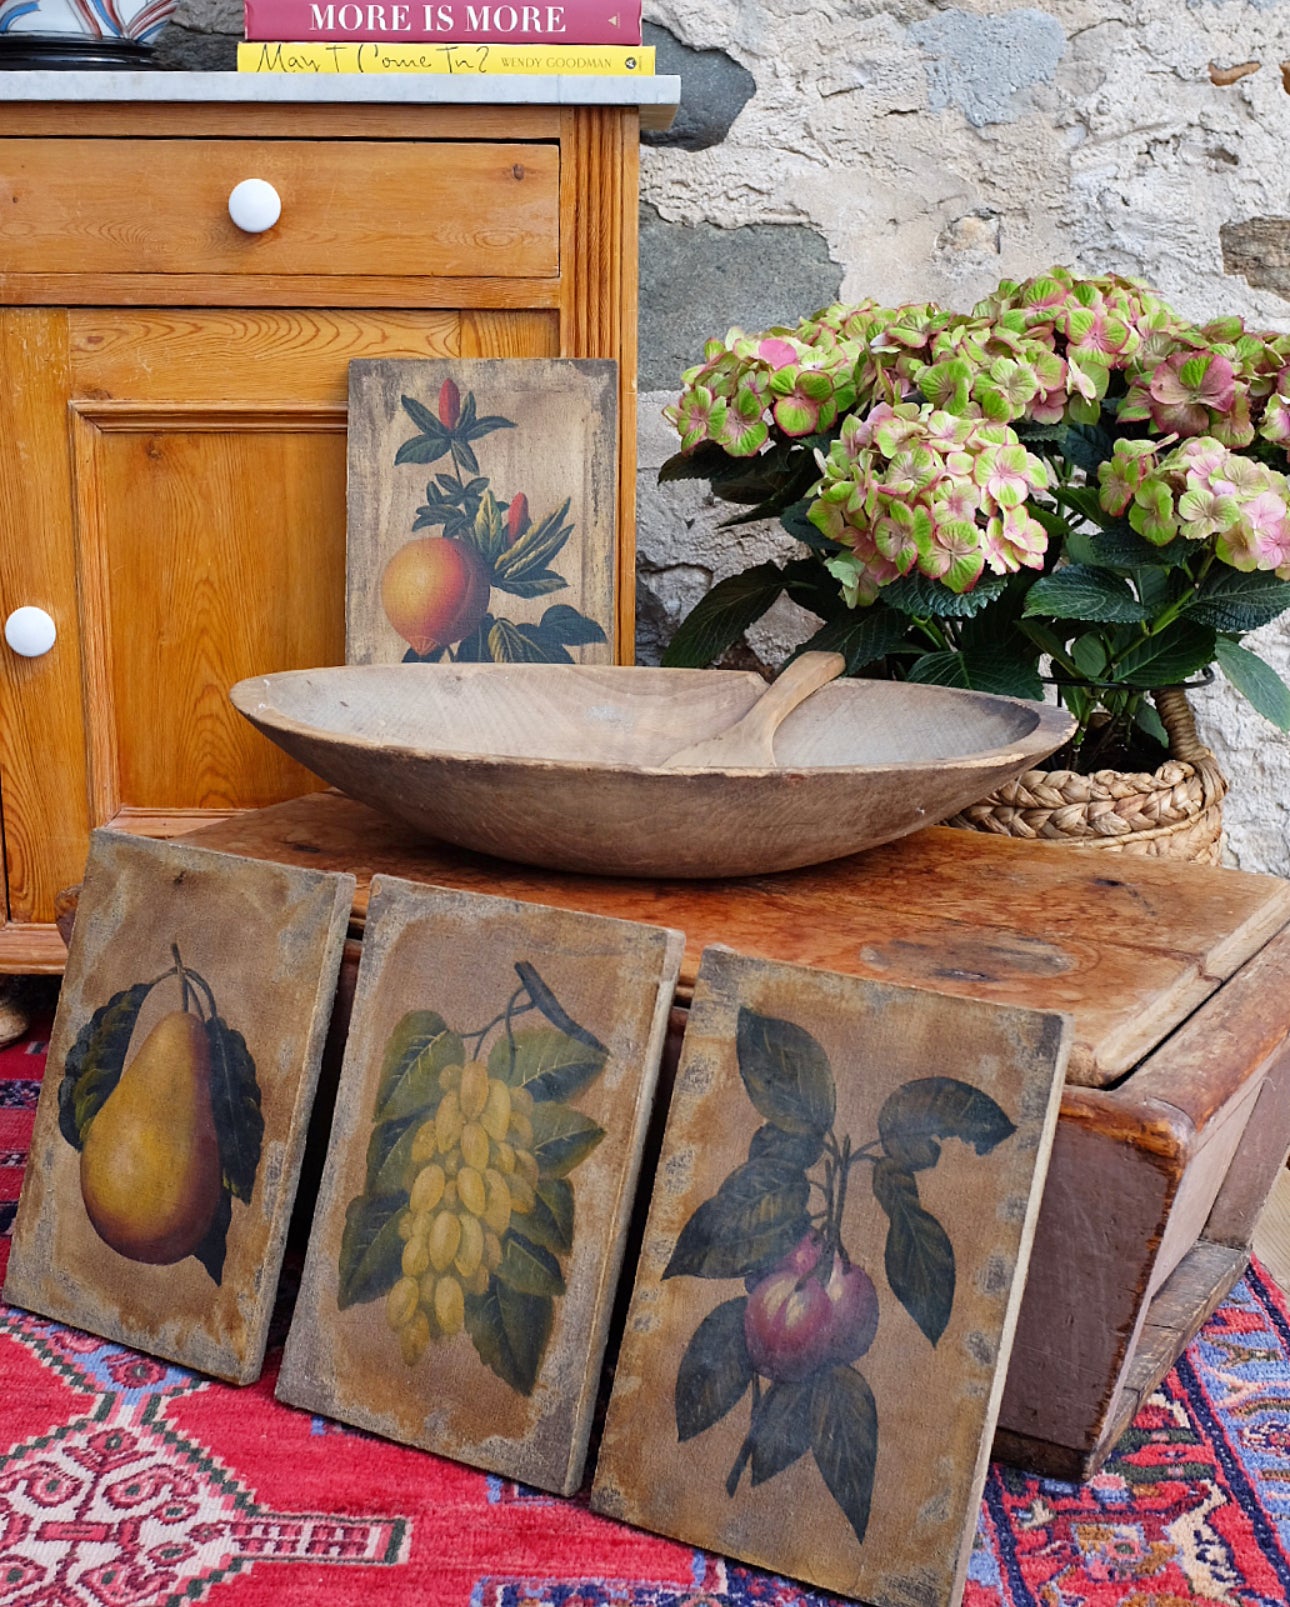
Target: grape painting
(467,1212)
(785,1353)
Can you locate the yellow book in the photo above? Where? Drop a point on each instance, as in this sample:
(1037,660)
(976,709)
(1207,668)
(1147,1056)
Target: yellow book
(617,61)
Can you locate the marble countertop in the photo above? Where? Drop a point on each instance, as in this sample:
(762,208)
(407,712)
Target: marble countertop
(657,97)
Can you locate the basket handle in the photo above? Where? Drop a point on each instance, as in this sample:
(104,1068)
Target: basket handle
(1184,741)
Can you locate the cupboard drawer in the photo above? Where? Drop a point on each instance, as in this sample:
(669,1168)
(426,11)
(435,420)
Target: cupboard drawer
(153,206)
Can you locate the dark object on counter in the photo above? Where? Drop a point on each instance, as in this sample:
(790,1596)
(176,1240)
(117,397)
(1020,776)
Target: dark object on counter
(46,52)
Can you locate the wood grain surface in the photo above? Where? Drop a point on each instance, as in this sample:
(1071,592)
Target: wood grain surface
(46,828)
(495,207)
(1127,955)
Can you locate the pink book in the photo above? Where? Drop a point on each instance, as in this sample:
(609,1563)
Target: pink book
(557,22)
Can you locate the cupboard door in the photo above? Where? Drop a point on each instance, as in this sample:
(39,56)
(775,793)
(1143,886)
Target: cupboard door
(176,487)
(42,747)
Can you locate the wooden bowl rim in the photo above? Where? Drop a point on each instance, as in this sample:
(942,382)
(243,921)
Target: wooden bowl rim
(1052,726)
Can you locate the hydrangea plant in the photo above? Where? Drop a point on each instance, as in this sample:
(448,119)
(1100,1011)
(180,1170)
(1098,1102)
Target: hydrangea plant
(1070,485)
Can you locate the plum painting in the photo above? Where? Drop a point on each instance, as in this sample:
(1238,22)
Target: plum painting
(489,1129)
(172,1117)
(830,1274)
(481,511)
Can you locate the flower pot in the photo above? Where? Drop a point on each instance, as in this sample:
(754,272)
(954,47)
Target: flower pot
(1174,812)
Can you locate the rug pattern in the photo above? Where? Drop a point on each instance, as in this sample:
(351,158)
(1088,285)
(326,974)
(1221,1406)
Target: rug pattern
(128,1482)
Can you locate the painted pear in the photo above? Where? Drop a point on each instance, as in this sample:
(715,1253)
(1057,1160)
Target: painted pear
(150,1164)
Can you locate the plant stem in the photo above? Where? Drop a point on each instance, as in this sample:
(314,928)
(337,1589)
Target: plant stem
(188,991)
(842,1190)
(746,1449)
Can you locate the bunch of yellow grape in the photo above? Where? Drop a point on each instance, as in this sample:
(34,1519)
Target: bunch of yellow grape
(472,1166)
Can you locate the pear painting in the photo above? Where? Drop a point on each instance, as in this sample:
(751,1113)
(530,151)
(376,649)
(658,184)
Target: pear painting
(169,1129)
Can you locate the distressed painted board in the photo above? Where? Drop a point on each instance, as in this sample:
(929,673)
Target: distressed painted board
(173,1112)
(1128,951)
(481,510)
(490,1120)
(831,1269)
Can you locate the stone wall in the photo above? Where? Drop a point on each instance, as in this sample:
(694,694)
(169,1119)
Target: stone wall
(906,149)
(903,150)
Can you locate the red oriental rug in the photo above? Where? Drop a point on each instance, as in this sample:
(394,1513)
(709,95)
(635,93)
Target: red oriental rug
(125,1482)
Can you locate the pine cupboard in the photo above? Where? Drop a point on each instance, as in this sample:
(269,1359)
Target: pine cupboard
(172,402)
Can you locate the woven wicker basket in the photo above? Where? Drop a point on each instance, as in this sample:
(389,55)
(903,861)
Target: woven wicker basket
(1173,813)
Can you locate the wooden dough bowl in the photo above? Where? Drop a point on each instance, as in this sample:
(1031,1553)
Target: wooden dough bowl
(566,766)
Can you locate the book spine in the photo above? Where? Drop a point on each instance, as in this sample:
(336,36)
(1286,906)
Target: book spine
(571,22)
(612,61)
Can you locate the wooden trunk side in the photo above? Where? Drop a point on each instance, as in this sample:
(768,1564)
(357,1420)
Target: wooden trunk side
(1222,1048)
(1208,1164)
(1257,1163)
(1197,1287)
(1104,1210)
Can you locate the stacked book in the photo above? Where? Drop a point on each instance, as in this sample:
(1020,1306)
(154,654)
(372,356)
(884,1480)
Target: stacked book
(444,36)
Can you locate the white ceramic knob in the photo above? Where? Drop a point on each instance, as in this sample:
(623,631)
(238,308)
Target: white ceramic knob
(254,205)
(30,631)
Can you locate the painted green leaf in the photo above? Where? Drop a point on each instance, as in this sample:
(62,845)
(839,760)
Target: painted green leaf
(567,625)
(919,1258)
(95,1061)
(550,1222)
(844,1439)
(786,1073)
(371,1251)
(771,1143)
(1256,680)
(527,1267)
(211,1251)
(538,585)
(548,1062)
(389,1153)
(418,1049)
(756,1216)
(510,1331)
(509,643)
(485,425)
(487,533)
(562,1137)
(421,449)
(424,419)
(537,546)
(928,1109)
(715,1371)
(235,1104)
(782,1428)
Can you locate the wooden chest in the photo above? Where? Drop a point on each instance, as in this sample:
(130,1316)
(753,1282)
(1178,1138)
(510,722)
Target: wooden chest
(1176,1116)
